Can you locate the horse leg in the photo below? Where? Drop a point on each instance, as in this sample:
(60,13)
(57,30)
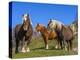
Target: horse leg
(61,44)
(58,44)
(60,41)
(28,50)
(17,41)
(19,46)
(23,45)
(69,45)
(70,42)
(28,43)
(66,45)
(46,42)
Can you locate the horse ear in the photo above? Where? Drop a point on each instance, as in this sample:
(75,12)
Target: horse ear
(37,23)
(28,15)
(50,20)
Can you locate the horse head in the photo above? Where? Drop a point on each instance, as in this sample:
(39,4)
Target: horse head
(38,27)
(52,25)
(26,21)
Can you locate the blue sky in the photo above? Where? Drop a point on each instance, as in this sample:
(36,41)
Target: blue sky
(41,13)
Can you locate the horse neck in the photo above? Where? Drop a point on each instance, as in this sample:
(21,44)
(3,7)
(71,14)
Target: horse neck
(43,30)
(56,29)
(28,21)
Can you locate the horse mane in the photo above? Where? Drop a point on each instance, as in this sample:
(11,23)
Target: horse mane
(44,28)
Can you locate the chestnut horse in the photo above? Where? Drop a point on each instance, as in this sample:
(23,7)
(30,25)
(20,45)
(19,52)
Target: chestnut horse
(65,33)
(46,34)
(23,34)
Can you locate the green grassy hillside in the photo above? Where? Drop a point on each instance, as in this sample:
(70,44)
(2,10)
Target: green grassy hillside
(38,50)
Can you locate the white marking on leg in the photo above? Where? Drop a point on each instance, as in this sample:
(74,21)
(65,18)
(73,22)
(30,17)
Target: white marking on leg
(28,50)
(47,46)
(56,46)
(39,32)
(23,50)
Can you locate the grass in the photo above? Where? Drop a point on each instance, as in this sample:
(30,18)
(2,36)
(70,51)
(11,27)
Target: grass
(38,50)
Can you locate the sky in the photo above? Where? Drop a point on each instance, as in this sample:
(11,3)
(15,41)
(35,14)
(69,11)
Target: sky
(41,13)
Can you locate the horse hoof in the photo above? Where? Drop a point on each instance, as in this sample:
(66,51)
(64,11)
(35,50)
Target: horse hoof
(46,48)
(23,51)
(27,50)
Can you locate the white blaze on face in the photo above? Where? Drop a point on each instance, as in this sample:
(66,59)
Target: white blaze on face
(24,17)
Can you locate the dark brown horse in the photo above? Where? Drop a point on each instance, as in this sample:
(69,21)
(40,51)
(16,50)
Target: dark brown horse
(65,33)
(46,34)
(23,35)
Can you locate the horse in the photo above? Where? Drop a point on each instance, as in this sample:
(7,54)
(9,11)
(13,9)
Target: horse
(23,35)
(65,33)
(57,26)
(46,34)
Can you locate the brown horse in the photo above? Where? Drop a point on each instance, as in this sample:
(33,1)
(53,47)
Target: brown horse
(65,33)
(46,34)
(23,34)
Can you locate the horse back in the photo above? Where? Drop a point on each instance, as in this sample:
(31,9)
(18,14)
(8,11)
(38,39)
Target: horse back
(67,33)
